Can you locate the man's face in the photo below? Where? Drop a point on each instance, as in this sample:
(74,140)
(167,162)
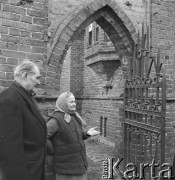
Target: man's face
(32,79)
(71,105)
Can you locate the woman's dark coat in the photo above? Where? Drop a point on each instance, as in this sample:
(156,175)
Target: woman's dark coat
(22,136)
(69,147)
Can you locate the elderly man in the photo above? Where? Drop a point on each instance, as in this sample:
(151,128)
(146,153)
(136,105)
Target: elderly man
(22,128)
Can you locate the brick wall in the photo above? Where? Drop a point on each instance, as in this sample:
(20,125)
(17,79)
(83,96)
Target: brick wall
(163,36)
(65,74)
(104,114)
(23,31)
(77,65)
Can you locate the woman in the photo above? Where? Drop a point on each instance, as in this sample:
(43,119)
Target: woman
(65,129)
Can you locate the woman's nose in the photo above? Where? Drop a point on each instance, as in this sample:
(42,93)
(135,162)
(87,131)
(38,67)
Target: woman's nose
(38,82)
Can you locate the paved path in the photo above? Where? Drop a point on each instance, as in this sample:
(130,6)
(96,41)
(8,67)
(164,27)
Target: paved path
(96,153)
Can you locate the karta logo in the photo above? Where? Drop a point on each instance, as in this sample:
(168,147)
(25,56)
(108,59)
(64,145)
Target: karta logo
(111,168)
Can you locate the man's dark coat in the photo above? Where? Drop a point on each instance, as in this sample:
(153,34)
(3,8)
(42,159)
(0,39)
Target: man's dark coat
(22,136)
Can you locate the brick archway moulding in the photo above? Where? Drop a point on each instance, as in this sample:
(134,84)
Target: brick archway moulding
(71,24)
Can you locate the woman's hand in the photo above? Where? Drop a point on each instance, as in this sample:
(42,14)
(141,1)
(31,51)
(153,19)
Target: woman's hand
(93,132)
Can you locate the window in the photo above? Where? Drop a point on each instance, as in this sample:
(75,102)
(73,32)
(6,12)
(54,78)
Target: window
(106,38)
(96,33)
(90,35)
(103,126)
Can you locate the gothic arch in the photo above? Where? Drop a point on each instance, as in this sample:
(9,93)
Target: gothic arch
(107,14)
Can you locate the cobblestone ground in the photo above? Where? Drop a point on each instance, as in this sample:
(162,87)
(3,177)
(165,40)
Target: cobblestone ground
(96,153)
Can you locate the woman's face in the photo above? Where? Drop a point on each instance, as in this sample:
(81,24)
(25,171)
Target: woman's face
(71,105)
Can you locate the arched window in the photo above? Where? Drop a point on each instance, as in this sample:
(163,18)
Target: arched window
(96,32)
(90,35)
(106,38)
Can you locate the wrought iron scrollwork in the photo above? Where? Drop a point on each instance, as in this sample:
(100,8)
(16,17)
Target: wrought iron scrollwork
(144,105)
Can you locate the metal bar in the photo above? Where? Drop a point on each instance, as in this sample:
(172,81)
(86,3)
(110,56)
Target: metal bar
(135,148)
(140,146)
(137,53)
(144,111)
(150,148)
(145,148)
(158,61)
(163,109)
(156,150)
(105,127)
(134,62)
(128,146)
(125,145)
(132,150)
(142,43)
(133,97)
(153,85)
(150,66)
(147,52)
(142,125)
(101,128)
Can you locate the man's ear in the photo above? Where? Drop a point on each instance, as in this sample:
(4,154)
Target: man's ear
(24,75)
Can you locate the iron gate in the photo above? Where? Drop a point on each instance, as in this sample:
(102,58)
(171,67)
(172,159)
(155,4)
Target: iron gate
(144,107)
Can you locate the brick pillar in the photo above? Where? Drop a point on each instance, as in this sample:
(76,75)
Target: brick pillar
(162,36)
(76,65)
(77,68)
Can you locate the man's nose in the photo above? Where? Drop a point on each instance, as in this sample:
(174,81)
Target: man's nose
(38,82)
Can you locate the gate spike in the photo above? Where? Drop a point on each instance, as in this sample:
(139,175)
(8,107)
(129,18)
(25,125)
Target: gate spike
(134,61)
(147,51)
(138,37)
(160,67)
(148,48)
(138,41)
(150,66)
(158,61)
(142,43)
(143,56)
(155,64)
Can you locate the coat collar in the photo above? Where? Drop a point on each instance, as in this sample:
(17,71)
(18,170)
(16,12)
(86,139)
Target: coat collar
(26,95)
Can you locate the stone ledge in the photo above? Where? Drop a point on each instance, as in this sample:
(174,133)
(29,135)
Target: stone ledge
(110,55)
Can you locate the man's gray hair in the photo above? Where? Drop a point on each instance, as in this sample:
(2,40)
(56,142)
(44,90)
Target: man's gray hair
(24,66)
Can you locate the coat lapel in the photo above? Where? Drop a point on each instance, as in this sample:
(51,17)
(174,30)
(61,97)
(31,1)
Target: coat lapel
(31,103)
